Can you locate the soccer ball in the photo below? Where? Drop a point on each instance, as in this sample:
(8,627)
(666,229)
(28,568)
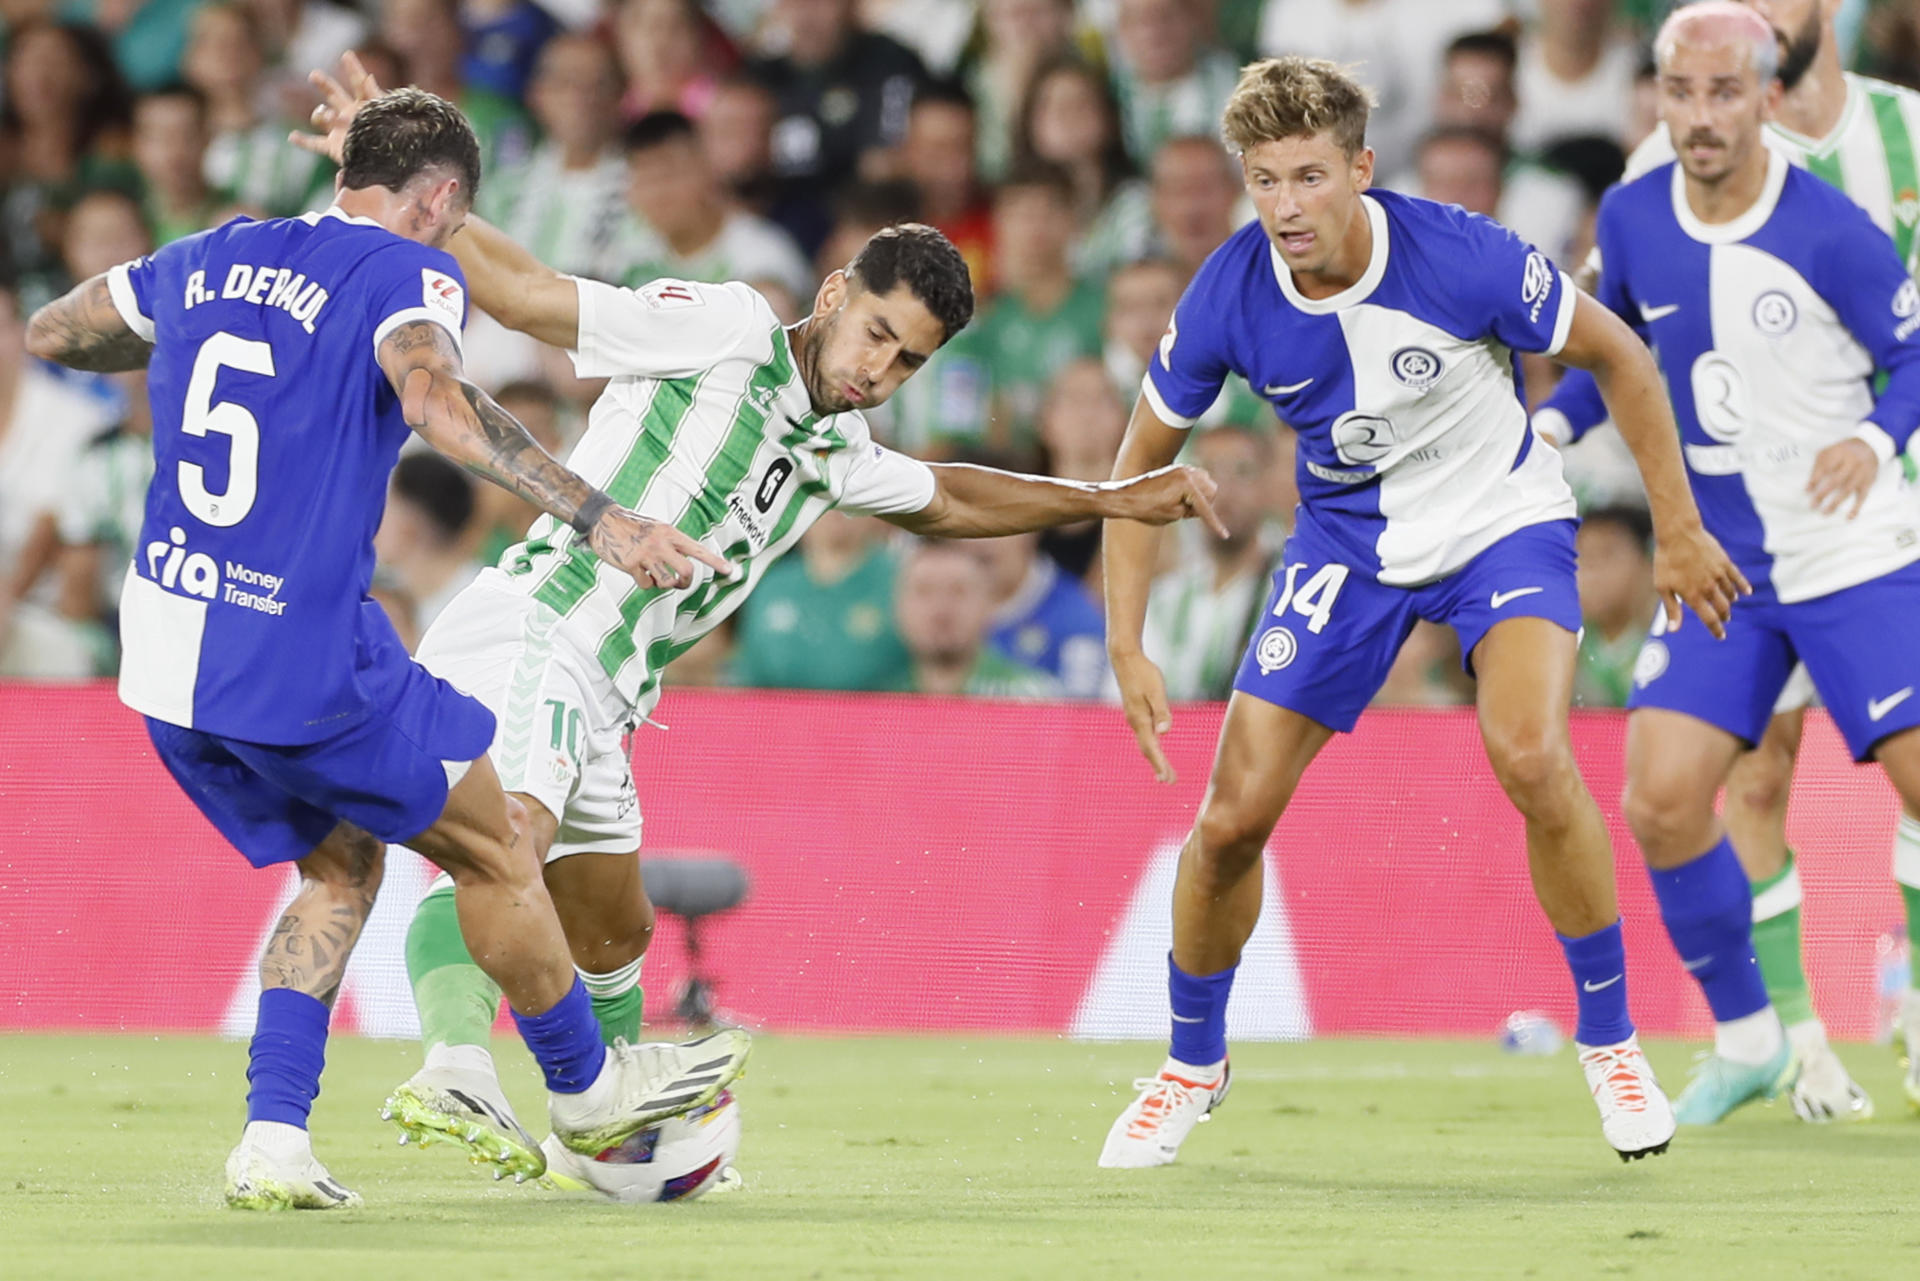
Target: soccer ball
(681,1158)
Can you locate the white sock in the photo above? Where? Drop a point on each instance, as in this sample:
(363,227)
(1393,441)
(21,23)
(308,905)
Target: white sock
(463,1058)
(1752,1040)
(600,1091)
(278,1139)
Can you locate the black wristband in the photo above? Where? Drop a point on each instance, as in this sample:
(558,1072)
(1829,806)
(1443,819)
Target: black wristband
(590,513)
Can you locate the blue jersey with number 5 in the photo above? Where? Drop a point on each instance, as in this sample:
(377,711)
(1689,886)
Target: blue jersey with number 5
(274,431)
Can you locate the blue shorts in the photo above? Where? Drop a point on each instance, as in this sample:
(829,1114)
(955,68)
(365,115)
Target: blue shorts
(1330,632)
(1851,641)
(386,774)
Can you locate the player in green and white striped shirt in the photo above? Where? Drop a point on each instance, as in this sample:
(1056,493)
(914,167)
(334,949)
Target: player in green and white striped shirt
(741,433)
(1860,135)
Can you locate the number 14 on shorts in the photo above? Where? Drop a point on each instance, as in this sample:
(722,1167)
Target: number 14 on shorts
(1312,600)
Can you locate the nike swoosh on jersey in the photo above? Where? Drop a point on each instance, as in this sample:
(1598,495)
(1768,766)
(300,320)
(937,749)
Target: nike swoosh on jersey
(1601,987)
(1879,707)
(1691,966)
(1501,598)
(1650,314)
(1275,389)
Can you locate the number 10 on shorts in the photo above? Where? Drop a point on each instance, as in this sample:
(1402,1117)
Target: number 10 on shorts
(1312,600)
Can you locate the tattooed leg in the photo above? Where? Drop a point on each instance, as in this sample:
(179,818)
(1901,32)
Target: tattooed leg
(309,947)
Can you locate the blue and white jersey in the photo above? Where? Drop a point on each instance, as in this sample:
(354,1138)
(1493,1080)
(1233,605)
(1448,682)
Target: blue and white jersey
(1414,449)
(1769,329)
(246,613)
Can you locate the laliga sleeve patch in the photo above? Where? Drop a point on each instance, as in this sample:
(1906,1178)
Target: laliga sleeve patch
(443,296)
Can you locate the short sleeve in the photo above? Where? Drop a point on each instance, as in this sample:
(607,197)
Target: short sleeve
(130,285)
(665,328)
(1862,276)
(414,284)
(883,482)
(1190,365)
(1523,300)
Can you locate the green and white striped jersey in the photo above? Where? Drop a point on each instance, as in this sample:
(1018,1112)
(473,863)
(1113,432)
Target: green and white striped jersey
(707,424)
(1869,154)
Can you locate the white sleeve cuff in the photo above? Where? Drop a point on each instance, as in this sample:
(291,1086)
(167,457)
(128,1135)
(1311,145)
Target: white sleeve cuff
(1159,405)
(1563,323)
(408,317)
(1553,427)
(120,289)
(1877,440)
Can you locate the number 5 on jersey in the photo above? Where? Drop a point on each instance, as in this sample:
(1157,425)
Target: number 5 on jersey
(1312,600)
(226,418)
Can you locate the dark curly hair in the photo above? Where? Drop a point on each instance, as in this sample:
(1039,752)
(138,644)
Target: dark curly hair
(918,256)
(402,134)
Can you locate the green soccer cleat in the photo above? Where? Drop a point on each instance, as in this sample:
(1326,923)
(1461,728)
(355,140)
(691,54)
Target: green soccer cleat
(1718,1085)
(441,1104)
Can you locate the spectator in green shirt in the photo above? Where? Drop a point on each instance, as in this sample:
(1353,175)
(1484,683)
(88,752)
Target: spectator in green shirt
(248,159)
(824,619)
(170,149)
(943,604)
(1616,601)
(567,199)
(1041,318)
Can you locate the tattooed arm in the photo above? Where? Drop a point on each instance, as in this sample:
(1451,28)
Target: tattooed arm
(84,330)
(468,426)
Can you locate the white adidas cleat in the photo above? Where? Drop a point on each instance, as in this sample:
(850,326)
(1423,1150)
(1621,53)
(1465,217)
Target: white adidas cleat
(1152,1128)
(456,1098)
(1635,1116)
(642,1085)
(1825,1090)
(274,1168)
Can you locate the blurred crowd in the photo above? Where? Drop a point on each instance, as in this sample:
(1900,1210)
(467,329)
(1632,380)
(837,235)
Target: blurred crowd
(1069,147)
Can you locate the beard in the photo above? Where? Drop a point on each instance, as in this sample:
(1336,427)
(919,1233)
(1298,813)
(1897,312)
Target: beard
(1798,51)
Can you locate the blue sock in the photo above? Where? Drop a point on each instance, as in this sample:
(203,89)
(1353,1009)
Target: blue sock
(1199,1013)
(1708,909)
(1599,964)
(566,1041)
(288,1051)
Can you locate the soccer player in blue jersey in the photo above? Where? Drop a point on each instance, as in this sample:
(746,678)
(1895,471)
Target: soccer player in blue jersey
(286,361)
(1773,301)
(1384,328)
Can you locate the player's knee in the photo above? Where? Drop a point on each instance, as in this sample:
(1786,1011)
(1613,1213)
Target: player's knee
(1760,781)
(1534,766)
(1661,815)
(348,866)
(1230,839)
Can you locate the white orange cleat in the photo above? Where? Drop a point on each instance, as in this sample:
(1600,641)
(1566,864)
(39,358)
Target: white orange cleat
(1635,1116)
(1156,1123)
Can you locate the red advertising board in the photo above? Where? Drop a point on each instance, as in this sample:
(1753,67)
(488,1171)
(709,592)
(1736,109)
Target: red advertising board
(930,864)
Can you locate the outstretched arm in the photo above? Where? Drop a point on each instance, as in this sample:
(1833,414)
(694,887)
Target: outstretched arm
(84,330)
(468,426)
(503,280)
(983,502)
(1129,553)
(1689,563)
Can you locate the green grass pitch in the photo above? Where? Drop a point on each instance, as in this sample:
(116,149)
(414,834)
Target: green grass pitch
(974,1158)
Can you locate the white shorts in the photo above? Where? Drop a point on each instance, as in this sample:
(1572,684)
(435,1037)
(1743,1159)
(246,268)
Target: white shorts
(1798,693)
(561,727)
